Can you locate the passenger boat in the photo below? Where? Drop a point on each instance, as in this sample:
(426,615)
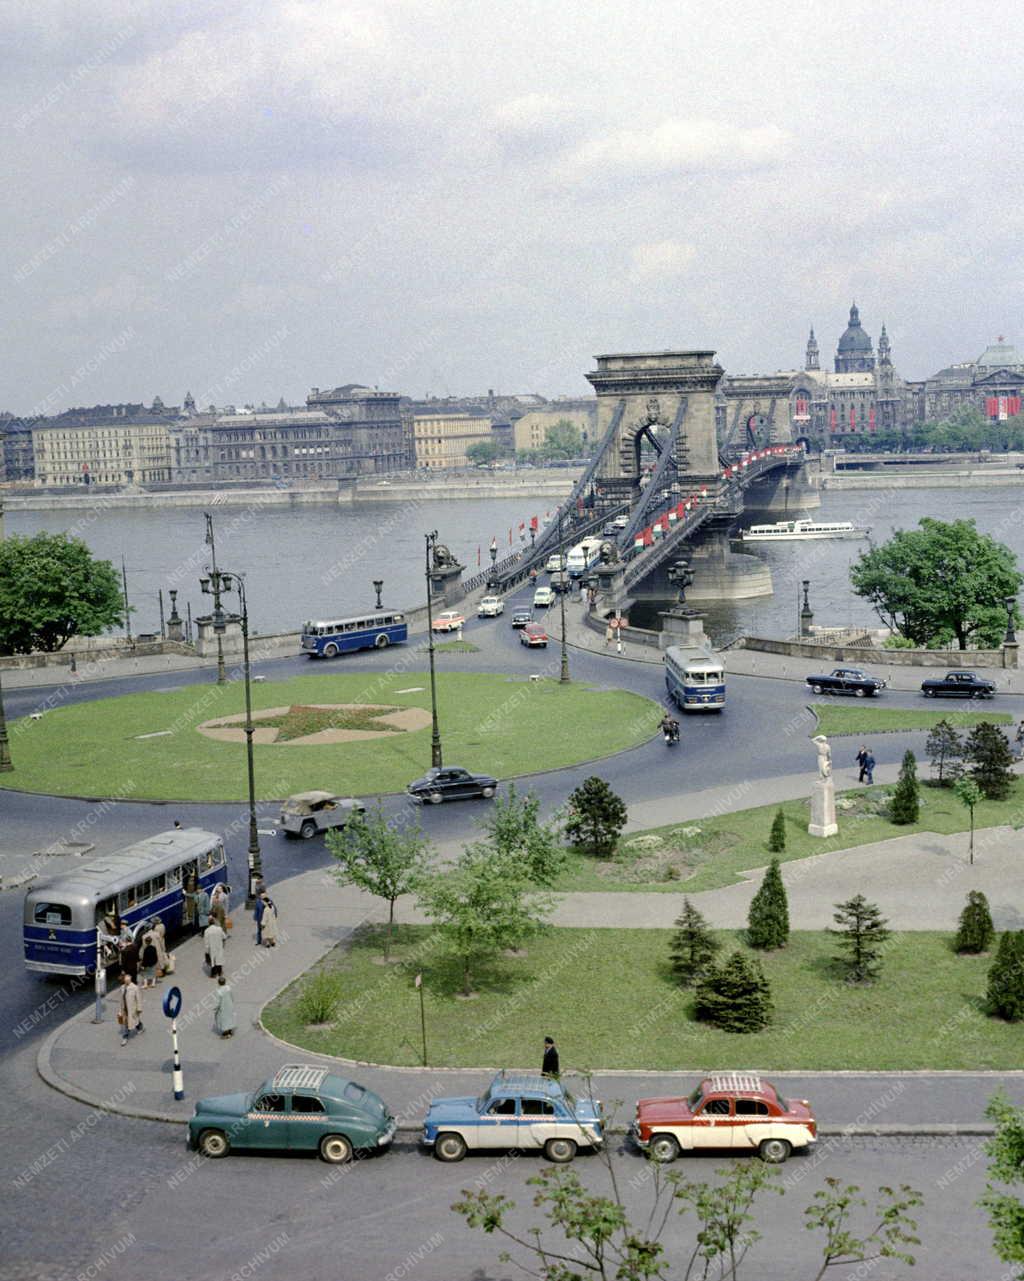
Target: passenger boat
(793,530)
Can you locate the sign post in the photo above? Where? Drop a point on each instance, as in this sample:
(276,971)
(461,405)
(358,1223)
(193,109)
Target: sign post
(100,979)
(423,1017)
(172,1008)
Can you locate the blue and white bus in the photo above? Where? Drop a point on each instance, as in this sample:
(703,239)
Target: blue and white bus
(583,556)
(117,893)
(694,684)
(371,631)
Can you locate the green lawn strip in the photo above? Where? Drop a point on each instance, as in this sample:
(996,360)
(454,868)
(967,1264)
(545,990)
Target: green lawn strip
(925,1011)
(839,721)
(706,854)
(504,725)
(299,721)
(456,647)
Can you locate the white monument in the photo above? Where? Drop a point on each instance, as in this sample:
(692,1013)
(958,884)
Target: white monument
(823,796)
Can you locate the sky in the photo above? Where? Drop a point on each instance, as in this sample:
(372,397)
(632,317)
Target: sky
(249,199)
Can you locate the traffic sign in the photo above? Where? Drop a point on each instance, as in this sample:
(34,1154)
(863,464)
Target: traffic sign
(172,1002)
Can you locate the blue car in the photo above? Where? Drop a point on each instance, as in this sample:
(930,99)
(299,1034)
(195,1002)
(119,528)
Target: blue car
(523,1113)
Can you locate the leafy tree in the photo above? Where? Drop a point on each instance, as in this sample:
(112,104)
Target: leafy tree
(513,828)
(968,793)
(562,439)
(480,904)
(862,935)
(483,451)
(777,836)
(905,805)
(735,997)
(693,947)
(990,760)
(596,817)
(941,579)
(768,917)
(1005,995)
(945,750)
(51,589)
(379,857)
(975,930)
(1005,1150)
(894,1229)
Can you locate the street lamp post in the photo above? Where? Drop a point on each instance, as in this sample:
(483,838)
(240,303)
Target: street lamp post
(804,611)
(221,675)
(435,733)
(1011,635)
(6,764)
(563,678)
(378,587)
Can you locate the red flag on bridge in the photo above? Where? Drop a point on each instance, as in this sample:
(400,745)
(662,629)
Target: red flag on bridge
(534,522)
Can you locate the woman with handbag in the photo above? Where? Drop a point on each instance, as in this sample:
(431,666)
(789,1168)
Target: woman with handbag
(129,1016)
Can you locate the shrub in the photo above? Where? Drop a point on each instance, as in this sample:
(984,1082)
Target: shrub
(768,918)
(945,750)
(596,817)
(905,804)
(319,997)
(693,947)
(861,934)
(777,836)
(735,997)
(975,931)
(990,760)
(1005,996)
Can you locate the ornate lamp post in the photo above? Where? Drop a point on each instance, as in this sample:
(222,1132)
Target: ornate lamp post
(494,552)
(563,678)
(1011,636)
(435,734)
(217,612)
(6,764)
(806,613)
(218,582)
(378,587)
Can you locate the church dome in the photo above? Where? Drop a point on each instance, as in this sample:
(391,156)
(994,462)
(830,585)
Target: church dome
(1000,355)
(854,340)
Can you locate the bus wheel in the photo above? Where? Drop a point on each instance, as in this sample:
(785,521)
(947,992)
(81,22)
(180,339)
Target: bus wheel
(382,642)
(331,651)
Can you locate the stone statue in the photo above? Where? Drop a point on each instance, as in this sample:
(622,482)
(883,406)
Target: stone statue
(824,755)
(609,554)
(443,559)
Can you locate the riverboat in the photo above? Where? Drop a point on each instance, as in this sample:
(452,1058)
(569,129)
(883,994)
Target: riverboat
(799,530)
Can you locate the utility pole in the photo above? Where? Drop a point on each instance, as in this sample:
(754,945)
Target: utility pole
(435,735)
(127,613)
(563,584)
(215,577)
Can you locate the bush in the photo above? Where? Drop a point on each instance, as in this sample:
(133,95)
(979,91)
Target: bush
(777,836)
(319,997)
(945,751)
(975,931)
(905,804)
(862,934)
(1005,996)
(596,817)
(693,946)
(735,998)
(990,760)
(768,918)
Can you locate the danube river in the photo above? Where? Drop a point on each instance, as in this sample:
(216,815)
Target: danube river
(321,561)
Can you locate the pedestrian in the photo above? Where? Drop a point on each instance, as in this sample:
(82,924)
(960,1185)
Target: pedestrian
(549,1066)
(224,1009)
(201,907)
(257,916)
(869,767)
(861,757)
(1019,741)
(269,922)
(177,824)
(158,933)
(130,1014)
(219,905)
(130,959)
(213,940)
(148,960)
(609,635)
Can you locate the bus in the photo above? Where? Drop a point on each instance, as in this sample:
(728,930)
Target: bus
(583,556)
(118,892)
(371,631)
(694,684)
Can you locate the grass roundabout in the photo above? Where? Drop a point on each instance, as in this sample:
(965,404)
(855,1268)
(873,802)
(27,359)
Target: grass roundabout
(151,747)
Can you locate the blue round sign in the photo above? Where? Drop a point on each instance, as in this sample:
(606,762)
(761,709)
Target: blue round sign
(172,1002)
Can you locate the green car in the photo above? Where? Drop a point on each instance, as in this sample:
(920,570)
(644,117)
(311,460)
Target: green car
(302,1107)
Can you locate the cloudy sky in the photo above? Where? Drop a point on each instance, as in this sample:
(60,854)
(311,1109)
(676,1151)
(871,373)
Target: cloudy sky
(247,199)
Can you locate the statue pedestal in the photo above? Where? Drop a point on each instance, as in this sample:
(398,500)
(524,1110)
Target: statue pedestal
(684,628)
(823,809)
(446,584)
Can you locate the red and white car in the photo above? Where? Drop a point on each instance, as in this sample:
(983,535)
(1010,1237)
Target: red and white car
(533,634)
(737,1111)
(450,621)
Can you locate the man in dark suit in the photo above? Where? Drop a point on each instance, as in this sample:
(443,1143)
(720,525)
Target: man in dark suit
(550,1064)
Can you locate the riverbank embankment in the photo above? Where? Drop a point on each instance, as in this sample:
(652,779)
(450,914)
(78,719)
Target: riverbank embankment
(918,478)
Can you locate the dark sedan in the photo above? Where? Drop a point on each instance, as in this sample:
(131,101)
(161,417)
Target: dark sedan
(451,783)
(958,685)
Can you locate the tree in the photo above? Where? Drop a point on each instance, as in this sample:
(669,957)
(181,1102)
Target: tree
(481,904)
(768,918)
(513,828)
(596,817)
(735,997)
(894,1228)
(1005,995)
(562,439)
(777,836)
(693,946)
(483,451)
(990,760)
(975,930)
(379,857)
(51,589)
(941,580)
(1005,1150)
(968,793)
(945,750)
(862,934)
(905,805)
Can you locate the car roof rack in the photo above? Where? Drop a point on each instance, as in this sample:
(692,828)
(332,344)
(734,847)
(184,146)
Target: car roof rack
(300,1076)
(726,1081)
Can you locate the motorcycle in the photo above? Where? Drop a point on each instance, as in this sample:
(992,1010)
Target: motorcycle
(671,733)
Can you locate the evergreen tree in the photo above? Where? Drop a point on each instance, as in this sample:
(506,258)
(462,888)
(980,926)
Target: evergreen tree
(777,836)
(735,997)
(1006,978)
(693,946)
(945,750)
(862,934)
(596,817)
(990,759)
(975,930)
(905,804)
(768,918)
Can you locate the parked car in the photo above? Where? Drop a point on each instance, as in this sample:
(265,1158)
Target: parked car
(517,1114)
(846,680)
(560,581)
(451,783)
(450,621)
(490,607)
(520,617)
(301,1107)
(533,635)
(958,685)
(733,1110)
(543,597)
(307,813)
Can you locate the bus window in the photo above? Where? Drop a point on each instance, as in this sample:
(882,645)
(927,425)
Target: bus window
(52,914)
(174,877)
(142,892)
(209,860)
(158,885)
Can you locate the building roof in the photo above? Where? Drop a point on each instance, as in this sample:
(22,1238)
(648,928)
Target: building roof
(1000,355)
(854,338)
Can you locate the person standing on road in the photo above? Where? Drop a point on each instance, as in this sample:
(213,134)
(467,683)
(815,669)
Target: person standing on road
(861,757)
(148,960)
(130,1014)
(549,1066)
(224,1010)
(130,959)
(869,767)
(257,915)
(213,938)
(269,922)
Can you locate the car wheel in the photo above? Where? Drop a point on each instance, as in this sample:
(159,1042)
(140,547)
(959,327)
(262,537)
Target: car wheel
(816,689)
(308,830)
(928,693)
(450,1147)
(663,1148)
(335,1149)
(773,1151)
(487,792)
(560,1151)
(978,694)
(214,1144)
(435,798)
(382,642)
(860,693)
(331,651)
